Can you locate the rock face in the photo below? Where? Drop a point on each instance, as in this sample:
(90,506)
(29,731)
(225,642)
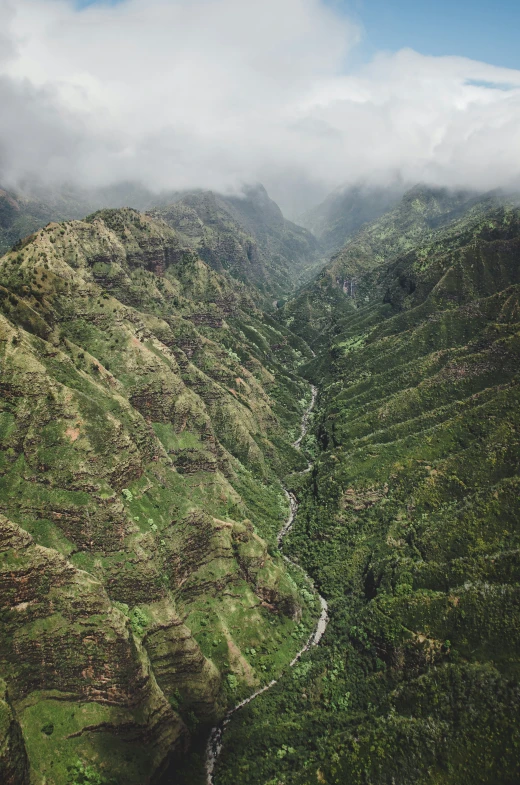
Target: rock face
(138,463)
(245,235)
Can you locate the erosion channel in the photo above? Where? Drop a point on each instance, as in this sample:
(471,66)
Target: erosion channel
(214,744)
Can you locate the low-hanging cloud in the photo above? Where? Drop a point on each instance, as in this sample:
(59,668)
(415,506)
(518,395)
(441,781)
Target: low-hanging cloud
(214,93)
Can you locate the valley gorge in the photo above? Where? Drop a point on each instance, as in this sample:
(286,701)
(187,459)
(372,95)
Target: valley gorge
(214,743)
(216,436)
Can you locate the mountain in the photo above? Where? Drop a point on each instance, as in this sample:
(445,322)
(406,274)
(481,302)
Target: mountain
(247,236)
(419,216)
(147,409)
(33,206)
(409,520)
(21,214)
(344,211)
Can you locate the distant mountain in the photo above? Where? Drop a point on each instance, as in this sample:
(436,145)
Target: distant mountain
(245,235)
(419,216)
(345,210)
(33,206)
(21,214)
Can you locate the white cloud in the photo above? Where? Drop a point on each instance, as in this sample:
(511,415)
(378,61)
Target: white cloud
(212,93)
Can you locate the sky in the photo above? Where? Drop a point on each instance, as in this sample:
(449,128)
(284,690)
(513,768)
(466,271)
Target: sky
(477,29)
(302,95)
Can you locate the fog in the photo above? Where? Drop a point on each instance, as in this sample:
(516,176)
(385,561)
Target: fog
(183,94)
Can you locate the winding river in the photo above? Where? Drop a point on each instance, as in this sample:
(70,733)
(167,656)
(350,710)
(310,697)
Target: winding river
(214,745)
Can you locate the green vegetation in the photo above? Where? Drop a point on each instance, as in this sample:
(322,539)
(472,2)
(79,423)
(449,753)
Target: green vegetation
(80,774)
(247,236)
(343,213)
(148,408)
(145,408)
(408,523)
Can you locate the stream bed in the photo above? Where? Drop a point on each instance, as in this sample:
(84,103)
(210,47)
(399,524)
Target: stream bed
(214,744)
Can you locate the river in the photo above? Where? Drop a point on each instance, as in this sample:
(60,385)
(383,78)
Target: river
(214,744)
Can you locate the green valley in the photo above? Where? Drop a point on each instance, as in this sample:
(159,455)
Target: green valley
(151,403)
(148,409)
(409,519)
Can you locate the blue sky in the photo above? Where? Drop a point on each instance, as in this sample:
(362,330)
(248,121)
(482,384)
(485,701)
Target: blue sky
(478,29)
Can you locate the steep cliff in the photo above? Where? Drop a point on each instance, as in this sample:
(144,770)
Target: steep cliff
(247,236)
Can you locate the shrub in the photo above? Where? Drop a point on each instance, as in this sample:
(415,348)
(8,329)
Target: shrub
(81,774)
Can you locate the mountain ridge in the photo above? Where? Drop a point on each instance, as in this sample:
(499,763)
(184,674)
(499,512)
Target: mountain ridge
(246,234)
(408,522)
(149,411)
(144,413)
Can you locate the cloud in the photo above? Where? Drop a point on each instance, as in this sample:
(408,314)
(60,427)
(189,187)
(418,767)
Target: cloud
(213,93)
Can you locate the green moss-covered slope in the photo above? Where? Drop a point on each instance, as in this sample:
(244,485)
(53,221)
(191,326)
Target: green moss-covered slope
(147,409)
(409,522)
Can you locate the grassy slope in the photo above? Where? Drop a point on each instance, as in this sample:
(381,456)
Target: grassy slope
(245,235)
(409,523)
(145,410)
(418,218)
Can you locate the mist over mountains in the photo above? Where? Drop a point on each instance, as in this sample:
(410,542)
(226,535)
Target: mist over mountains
(213,106)
(259,396)
(153,384)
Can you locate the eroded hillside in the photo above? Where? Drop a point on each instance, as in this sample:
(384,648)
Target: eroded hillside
(247,236)
(418,218)
(147,411)
(409,523)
